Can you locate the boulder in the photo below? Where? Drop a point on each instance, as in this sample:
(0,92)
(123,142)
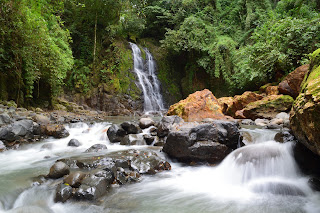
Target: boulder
(41,119)
(92,188)
(268,107)
(96,148)
(284,136)
(4,119)
(291,84)
(241,101)
(74,179)
(146,122)
(210,142)
(198,106)
(147,162)
(56,130)
(167,123)
(272,90)
(58,170)
(305,113)
(115,133)
(22,127)
(225,103)
(130,127)
(133,139)
(63,193)
(74,142)
(149,139)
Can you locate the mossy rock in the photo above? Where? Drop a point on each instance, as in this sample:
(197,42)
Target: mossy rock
(305,112)
(268,107)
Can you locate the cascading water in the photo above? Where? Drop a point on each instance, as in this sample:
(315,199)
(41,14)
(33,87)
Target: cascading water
(260,177)
(148,80)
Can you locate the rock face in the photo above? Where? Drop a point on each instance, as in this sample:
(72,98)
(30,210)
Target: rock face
(268,107)
(210,142)
(198,106)
(241,101)
(225,103)
(305,112)
(291,84)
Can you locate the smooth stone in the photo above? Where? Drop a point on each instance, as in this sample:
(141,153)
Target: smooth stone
(58,170)
(96,148)
(74,143)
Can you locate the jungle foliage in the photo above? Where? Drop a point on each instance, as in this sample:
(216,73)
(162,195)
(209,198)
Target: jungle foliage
(47,45)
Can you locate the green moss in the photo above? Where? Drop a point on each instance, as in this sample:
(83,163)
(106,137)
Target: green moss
(311,82)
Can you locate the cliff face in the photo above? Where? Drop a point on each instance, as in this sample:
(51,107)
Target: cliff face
(305,113)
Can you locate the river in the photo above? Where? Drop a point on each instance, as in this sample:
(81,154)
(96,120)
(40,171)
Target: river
(260,177)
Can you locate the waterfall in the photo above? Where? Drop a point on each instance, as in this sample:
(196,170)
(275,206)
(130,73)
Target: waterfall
(148,81)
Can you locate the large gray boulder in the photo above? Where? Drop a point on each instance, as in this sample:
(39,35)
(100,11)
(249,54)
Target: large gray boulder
(167,123)
(210,142)
(115,133)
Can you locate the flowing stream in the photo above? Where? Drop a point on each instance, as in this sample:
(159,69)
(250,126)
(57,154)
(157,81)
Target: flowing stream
(148,80)
(260,177)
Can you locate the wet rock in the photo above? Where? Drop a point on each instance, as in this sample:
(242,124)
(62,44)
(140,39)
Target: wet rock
(74,179)
(56,130)
(92,188)
(133,139)
(58,170)
(147,162)
(278,188)
(206,142)
(149,139)
(224,132)
(307,161)
(314,183)
(130,127)
(197,106)
(284,136)
(146,122)
(45,146)
(115,133)
(291,84)
(74,143)
(268,107)
(63,193)
(96,148)
(2,147)
(167,123)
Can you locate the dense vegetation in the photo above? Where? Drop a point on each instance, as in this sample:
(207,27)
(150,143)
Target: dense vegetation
(76,45)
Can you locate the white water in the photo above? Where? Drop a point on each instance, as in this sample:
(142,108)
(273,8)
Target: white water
(261,177)
(148,80)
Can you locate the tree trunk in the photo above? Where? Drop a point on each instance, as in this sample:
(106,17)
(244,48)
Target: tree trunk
(95,42)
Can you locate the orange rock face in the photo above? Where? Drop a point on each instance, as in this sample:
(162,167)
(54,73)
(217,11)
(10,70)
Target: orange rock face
(291,84)
(225,103)
(241,101)
(272,90)
(198,106)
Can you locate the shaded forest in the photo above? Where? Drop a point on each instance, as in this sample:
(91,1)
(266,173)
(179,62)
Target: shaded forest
(49,47)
